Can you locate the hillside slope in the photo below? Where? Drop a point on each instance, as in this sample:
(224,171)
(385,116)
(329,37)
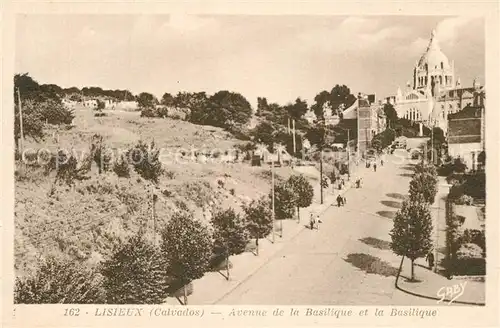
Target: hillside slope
(88,220)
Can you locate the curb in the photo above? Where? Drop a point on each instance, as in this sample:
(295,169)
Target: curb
(445,300)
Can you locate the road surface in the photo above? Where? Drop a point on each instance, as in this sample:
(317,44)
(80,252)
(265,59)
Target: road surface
(347,261)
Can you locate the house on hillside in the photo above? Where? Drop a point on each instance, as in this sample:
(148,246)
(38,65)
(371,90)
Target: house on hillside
(466,130)
(90,103)
(68,103)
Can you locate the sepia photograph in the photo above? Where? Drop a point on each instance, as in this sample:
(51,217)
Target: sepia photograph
(210,159)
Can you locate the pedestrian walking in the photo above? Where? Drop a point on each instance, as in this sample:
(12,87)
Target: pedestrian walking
(374,167)
(344,201)
(430,260)
(318,221)
(357,183)
(381,162)
(339,200)
(311,221)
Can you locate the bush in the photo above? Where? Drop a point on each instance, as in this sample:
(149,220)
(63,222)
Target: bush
(464,200)
(469,251)
(58,281)
(148,112)
(474,236)
(145,160)
(121,168)
(470,260)
(136,274)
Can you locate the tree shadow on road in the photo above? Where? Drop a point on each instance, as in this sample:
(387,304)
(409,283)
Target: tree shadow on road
(391,203)
(387,214)
(396,195)
(408,168)
(407,175)
(377,243)
(371,264)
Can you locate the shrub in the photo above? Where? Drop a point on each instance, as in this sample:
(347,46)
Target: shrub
(121,167)
(474,236)
(230,233)
(187,247)
(469,251)
(58,281)
(145,160)
(258,216)
(148,112)
(220,183)
(231,191)
(464,200)
(135,274)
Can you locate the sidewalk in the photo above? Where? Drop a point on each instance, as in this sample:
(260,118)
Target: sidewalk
(212,287)
(434,286)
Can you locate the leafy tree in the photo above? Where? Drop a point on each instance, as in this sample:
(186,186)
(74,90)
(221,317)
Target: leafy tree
(341,95)
(230,234)
(262,105)
(424,184)
(187,247)
(258,216)
(32,122)
(284,201)
(228,109)
(146,100)
(135,274)
(100,105)
(264,133)
(298,109)
(30,89)
(320,99)
(411,234)
(145,160)
(390,114)
(60,281)
(303,190)
(167,99)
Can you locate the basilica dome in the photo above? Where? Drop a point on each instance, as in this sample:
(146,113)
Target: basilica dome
(433,56)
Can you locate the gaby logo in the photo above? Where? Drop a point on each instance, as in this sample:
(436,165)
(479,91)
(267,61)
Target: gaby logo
(451,293)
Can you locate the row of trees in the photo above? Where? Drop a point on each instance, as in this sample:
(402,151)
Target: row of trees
(140,272)
(412,231)
(224,109)
(40,105)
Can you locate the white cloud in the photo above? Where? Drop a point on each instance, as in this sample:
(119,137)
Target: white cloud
(447,31)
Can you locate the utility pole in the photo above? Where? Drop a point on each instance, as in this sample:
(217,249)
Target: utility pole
(348,157)
(432,144)
(294,143)
(321,163)
(154,198)
(272,197)
(21,137)
(288,126)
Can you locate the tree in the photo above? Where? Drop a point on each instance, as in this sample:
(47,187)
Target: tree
(258,216)
(187,247)
(229,109)
(262,105)
(264,133)
(320,100)
(303,191)
(230,234)
(146,100)
(145,160)
(425,184)
(341,95)
(60,281)
(167,99)
(411,234)
(390,114)
(298,109)
(30,89)
(32,122)
(135,273)
(284,201)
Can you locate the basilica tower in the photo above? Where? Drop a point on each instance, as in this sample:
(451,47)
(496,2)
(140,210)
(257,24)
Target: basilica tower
(433,69)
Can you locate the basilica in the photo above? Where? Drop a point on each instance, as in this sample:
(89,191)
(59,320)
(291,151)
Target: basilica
(435,91)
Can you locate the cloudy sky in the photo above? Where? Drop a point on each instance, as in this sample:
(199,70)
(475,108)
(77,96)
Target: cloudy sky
(279,57)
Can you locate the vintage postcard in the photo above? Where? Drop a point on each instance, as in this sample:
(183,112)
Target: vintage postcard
(274,164)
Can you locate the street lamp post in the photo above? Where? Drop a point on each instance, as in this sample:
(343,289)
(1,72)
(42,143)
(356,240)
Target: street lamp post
(272,197)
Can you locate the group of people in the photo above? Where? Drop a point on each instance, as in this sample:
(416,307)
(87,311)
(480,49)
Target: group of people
(314,222)
(341,201)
